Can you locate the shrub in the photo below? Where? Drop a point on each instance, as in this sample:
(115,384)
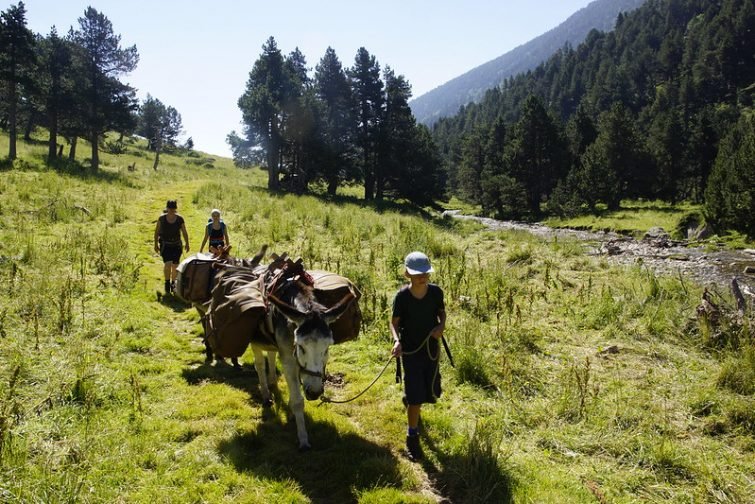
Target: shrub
(738,373)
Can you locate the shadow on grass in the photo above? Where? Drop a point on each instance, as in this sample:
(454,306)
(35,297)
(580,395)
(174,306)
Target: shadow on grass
(469,475)
(244,379)
(83,171)
(339,466)
(404,208)
(172,302)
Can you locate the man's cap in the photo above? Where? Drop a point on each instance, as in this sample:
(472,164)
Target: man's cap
(171,204)
(417,263)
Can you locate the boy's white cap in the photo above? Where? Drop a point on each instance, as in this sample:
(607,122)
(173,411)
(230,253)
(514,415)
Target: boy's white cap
(215,211)
(417,263)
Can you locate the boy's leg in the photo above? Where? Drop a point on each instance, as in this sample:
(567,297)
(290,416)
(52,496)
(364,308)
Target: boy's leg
(412,413)
(412,436)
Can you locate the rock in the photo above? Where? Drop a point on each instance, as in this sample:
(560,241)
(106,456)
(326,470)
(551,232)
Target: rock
(610,248)
(749,251)
(613,349)
(701,232)
(704,232)
(657,237)
(655,233)
(749,270)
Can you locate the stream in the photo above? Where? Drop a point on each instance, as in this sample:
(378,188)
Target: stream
(658,252)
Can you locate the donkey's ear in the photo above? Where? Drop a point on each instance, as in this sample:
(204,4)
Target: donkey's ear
(290,312)
(332,314)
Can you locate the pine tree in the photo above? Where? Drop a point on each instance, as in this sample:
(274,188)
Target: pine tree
(56,83)
(368,92)
(397,128)
(160,125)
(730,195)
(536,155)
(262,108)
(16,57)
(334,92)
(109,102)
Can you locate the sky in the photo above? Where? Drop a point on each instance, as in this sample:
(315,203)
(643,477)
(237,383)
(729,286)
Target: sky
(196,55)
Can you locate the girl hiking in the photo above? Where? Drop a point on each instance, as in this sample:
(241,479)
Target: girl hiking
(217,232)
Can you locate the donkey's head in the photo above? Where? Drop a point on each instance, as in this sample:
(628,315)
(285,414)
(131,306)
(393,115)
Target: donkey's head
(312,335)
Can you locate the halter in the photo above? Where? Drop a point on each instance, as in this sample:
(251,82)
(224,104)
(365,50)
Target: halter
(303,369)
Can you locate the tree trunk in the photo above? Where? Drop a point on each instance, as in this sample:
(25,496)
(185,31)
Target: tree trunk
(332,186)
(369,178)
(12,134)
(52,144)
(272,169)
(157,158)
(29,127)
(60,151)
(95,151)
(379,183)
(72,150)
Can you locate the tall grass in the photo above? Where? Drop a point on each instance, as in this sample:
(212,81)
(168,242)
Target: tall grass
(104,397)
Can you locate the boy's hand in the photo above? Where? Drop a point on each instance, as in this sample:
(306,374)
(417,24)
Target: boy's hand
(437,331)
(396,350)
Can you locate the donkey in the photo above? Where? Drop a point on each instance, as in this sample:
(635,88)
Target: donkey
(302,337)
(224,259)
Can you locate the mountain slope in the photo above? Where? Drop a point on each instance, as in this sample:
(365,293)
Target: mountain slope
(447,98)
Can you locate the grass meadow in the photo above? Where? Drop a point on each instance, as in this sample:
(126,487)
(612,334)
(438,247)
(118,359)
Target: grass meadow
(575,381)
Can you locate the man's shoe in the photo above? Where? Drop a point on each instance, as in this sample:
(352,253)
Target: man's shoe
(413,447)
(173,287)
(167,287)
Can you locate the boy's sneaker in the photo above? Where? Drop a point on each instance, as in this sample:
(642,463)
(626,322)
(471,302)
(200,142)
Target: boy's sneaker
(413,447)
(167,287)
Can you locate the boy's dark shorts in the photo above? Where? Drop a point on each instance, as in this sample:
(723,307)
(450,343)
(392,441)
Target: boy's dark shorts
(418,380)
(171,253)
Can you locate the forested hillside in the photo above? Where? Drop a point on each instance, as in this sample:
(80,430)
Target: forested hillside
(446,99)
(638,112)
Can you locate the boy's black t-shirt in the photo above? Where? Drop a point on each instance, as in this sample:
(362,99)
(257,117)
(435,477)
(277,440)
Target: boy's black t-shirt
(417,317)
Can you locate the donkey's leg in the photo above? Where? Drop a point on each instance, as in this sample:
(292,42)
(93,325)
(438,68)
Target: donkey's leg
(272,378)
(259,366)
(296,400)
(207,350)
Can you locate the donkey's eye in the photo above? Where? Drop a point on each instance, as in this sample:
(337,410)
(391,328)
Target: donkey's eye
(301,349)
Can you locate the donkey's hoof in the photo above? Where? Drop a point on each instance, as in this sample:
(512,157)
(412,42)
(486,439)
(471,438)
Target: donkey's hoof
(267,403)
(304,447)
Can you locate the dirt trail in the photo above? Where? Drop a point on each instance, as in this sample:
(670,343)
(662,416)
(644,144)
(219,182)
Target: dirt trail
(662,255)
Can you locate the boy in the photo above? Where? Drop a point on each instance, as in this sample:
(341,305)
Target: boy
(418,321)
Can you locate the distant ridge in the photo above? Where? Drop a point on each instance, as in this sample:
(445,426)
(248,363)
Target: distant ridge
(446,99)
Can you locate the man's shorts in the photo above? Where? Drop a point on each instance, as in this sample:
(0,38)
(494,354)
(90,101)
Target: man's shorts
(171,253)
(419,374)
